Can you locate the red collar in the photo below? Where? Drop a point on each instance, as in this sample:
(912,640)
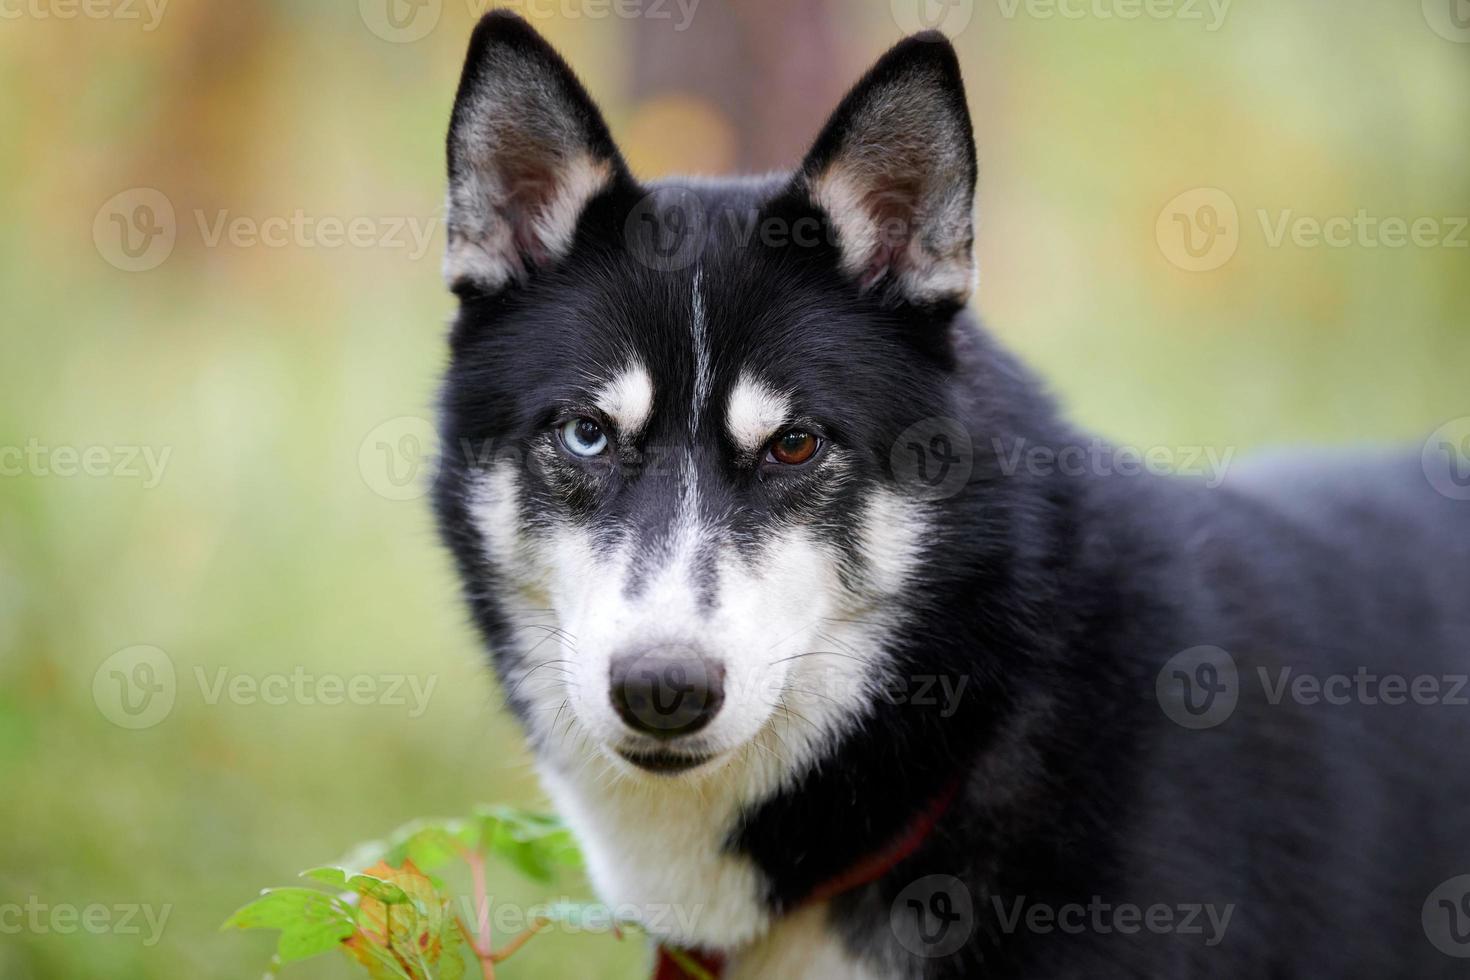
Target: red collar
(676,964)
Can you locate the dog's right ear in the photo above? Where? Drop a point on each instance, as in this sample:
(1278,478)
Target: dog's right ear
(528,149)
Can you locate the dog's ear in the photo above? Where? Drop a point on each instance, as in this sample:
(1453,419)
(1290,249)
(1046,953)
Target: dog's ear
(528,149)
(894,171)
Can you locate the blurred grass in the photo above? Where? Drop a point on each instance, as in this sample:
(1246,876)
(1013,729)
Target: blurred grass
(265,548)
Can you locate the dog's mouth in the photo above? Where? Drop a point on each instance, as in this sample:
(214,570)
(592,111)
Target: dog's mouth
(664,762)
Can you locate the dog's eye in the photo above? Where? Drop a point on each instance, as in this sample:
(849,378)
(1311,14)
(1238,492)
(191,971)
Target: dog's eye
(794,448)
(584,437)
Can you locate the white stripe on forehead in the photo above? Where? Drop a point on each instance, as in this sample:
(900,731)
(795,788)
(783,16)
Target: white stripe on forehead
(628,399)
(755,412)
(699,329)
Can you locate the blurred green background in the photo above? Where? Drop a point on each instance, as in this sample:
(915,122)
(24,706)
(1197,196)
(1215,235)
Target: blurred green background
(287,378)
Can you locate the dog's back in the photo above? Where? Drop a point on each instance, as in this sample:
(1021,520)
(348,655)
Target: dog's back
(1320,791)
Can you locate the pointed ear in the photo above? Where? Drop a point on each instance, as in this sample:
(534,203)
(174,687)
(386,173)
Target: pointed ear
(528,150)
(894,171)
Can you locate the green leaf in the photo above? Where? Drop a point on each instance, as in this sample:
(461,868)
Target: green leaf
(408,939)
(364,884)
(535,844)
(428,845)
(311,922)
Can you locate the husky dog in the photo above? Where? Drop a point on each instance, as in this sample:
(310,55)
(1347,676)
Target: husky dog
(830,673)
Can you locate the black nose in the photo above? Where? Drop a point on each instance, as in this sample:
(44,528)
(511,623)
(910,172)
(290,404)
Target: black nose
(664,695)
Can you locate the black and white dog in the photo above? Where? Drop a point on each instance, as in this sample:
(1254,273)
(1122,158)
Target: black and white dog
(825,682)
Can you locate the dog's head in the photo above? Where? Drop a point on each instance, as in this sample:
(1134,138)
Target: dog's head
(674,425)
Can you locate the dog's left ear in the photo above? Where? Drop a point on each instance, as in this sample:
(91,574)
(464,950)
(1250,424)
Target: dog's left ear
(528,149)
(894,171)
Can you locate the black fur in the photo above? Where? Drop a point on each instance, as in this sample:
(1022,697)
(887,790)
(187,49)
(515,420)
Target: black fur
(1058,598)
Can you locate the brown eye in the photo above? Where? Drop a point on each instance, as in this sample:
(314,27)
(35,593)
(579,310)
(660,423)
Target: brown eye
(794,448)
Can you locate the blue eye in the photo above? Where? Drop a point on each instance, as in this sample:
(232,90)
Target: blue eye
(584,437)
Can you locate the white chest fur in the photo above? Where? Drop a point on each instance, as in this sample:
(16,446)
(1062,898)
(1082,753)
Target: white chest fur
(657,850)
(799,945)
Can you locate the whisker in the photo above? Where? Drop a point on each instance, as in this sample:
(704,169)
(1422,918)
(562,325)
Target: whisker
(527,675)
(821,653)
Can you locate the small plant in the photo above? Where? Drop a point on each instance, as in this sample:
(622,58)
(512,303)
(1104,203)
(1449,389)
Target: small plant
(386,910)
